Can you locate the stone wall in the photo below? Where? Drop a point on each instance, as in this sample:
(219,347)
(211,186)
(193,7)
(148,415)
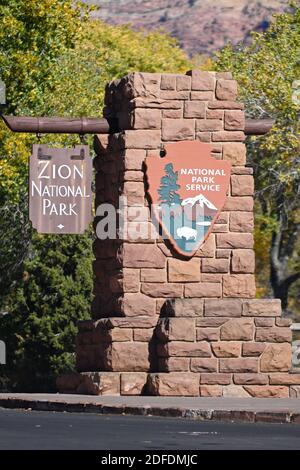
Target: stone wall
(162,324)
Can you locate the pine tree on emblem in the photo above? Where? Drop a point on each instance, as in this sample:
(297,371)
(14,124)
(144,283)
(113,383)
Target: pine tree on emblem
(169,186)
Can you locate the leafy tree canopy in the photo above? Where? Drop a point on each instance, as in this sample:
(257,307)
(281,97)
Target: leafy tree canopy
(266,72)
(54,61)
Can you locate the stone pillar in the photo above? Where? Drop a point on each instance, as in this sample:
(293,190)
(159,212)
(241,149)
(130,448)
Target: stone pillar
(161,324)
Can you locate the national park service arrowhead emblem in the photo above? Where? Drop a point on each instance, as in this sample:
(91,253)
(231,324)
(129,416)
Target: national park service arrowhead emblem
(187,188)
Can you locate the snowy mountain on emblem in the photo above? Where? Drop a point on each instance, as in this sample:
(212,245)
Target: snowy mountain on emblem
(199,199)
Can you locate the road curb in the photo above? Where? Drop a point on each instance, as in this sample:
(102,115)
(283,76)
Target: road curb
(246,416)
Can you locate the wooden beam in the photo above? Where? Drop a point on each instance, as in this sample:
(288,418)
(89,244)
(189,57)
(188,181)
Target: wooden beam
(258,126)
(58,125)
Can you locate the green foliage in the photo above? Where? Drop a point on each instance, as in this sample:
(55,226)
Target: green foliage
(53,295)
(33,35)
(54,62)
(266,72)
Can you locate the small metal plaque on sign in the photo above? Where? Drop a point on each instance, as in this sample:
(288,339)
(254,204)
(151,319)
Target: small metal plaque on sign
(60,189)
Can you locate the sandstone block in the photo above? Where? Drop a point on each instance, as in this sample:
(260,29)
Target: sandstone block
(262,307)
(243,261)
(264,322)
(241,170)
(141,139)
(172,113)
(184,271)
(226,349)
(142,256)
(134,175)
(207,250)
(133,383)
(242,365)
(274,334)
(284,379)
(143,334)
(211,277)
(214,114)
(223,308)
(194,109)
(209,125)
(176,329)
(234,120)
(177,129)
(142,84)
(168,81)
(203,81)
(212,322)
(175,384)
(215,379)
(210,391)
(162,289)
(183,82)
(203,136)
(235,153)
(133,159)
(239,285)
(175,94)
(182,308)
(119,334)
(242,185)
(223,218)
(153,275)
(208,334)
(136,304)
(241,222)
(129,322)
(235,391)
(253,349)
(213,265)
(283,321)
(276,358)
(226,89)
(146,118)
(204,365)
(134,192)
(203,289)
(184,349)
(99,383)
(219,104)
(267,391)
(202,95)
(228,136)
(250,379)
(237,329)
(234,240)
(159,103)
(239,203)
(174,364)
(220,228)
(129,356)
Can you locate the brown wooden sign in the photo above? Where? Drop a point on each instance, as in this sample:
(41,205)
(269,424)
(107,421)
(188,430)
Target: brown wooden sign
(188,189)
(60,193)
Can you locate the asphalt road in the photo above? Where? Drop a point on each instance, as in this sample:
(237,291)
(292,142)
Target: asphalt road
(47,430)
